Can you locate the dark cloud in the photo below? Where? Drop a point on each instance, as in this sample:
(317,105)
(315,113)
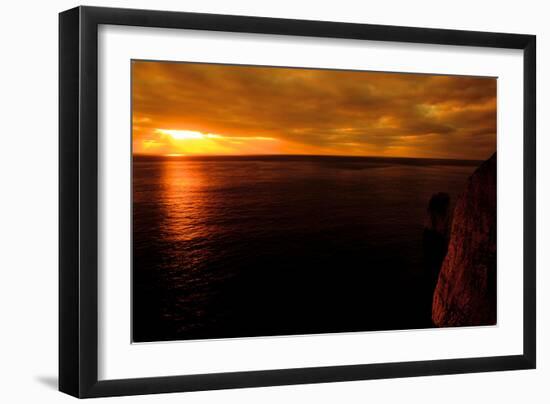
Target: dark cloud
(317,111)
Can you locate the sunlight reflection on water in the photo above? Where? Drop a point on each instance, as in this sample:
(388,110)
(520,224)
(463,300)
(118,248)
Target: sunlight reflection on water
(217,241)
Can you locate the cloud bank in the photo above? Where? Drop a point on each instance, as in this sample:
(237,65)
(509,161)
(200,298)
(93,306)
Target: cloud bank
(310,111)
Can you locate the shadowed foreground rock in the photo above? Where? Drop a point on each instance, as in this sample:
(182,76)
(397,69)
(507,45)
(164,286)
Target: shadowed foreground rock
(435,238)
(466,289)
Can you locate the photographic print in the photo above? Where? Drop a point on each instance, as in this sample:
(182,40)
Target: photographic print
(271,201)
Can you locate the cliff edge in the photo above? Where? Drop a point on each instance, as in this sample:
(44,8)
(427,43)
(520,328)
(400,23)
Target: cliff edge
(465,293)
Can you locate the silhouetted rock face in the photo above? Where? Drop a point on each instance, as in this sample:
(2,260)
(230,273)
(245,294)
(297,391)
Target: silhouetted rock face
(436,238)
(466,289)
(438,213)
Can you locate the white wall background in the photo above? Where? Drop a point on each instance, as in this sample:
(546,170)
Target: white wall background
(28,201)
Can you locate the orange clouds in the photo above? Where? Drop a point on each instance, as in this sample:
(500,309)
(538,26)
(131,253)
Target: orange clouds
(191,108)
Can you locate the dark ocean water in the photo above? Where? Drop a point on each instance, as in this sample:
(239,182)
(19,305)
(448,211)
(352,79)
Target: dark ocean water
(252,246)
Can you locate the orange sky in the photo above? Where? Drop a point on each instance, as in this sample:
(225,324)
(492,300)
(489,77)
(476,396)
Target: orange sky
(208,109)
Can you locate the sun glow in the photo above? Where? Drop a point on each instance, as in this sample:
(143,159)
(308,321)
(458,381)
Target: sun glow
(184,134)
(179,142)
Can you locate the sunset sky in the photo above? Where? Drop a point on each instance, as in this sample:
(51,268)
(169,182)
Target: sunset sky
(208,109)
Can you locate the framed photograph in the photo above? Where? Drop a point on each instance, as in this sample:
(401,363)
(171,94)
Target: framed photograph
(251,201)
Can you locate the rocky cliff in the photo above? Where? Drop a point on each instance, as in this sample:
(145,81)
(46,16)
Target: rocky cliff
(465,293)
(435,239)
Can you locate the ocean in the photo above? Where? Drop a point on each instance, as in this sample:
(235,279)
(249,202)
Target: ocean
(281,245)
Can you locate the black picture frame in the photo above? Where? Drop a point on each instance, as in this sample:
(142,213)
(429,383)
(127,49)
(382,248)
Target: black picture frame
(78,201)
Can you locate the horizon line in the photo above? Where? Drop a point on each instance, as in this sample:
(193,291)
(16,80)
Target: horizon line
(183,155)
